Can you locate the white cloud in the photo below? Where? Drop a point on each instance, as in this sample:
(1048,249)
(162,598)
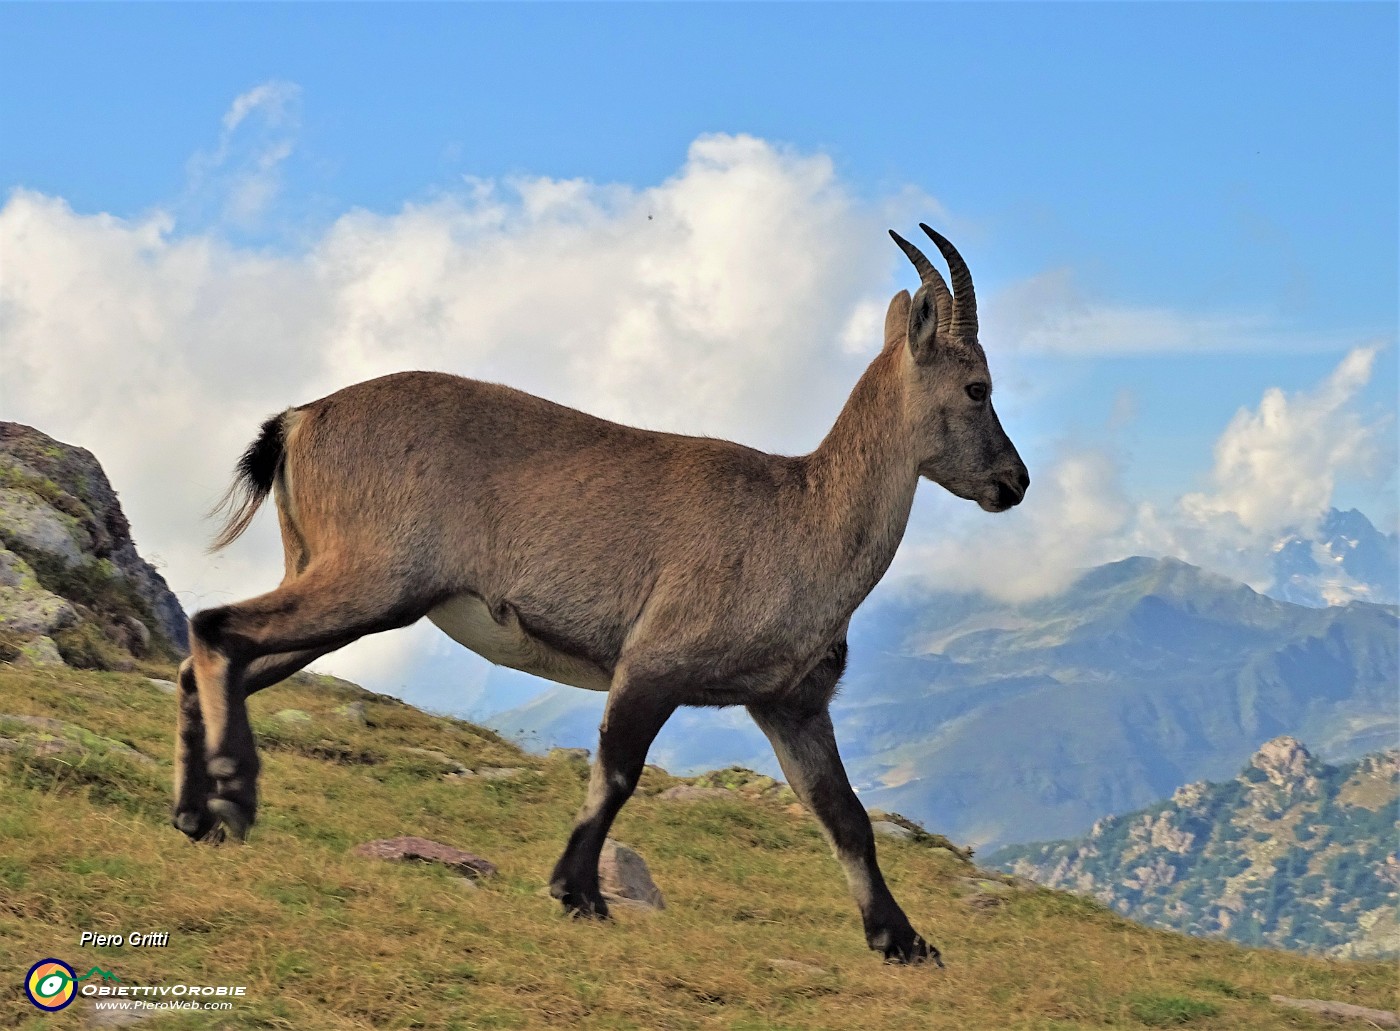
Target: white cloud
(1049,313)
(1276,469)
(1277,466)
(273,99)
(1074,507)
(243,175)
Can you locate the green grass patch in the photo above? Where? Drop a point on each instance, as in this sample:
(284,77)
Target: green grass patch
(1170,1010)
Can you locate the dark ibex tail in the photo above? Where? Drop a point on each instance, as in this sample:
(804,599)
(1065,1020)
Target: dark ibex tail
(252,481)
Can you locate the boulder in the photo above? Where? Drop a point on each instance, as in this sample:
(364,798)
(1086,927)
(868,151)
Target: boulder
(43,735)
(33,525)
(425,850)
(57,501)
(37,653)
(354,712)
(888,829)
(26,608)
(624,877)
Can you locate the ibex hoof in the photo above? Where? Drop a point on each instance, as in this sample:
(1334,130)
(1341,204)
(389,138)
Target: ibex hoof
(906,949)
(581,905)
(232,821)
(194,823)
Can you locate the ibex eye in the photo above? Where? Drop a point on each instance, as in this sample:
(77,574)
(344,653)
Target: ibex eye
(977,391)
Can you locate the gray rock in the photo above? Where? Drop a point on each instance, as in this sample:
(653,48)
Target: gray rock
(39,653)
(352,711)
(79,500)
(892,830)
(292,717)
(47,736)
(624,877)
(40,527)
(499,772)
(425,850)
(163,686)
(138,635)
(25,606)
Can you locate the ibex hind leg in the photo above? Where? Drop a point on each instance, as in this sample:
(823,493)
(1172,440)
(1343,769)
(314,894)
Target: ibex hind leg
(239,649)
(193,787)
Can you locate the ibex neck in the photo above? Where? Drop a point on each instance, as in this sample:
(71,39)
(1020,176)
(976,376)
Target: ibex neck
(862,479)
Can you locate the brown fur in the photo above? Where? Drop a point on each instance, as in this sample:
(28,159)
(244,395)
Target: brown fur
(671,570)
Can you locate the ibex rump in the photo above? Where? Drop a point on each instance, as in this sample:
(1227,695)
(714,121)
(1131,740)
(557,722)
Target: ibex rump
(666,570)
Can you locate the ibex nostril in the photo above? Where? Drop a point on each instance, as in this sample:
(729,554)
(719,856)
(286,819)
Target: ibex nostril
(1007,495)
(1023,480)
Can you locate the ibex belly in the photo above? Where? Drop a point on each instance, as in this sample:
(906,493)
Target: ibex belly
(470,621)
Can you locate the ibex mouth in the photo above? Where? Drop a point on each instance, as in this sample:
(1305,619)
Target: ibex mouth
(1008,495)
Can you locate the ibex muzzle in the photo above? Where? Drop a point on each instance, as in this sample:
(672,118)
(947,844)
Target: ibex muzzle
(665,570)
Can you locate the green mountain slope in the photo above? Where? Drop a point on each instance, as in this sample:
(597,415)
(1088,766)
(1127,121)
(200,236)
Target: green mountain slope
(1292,852)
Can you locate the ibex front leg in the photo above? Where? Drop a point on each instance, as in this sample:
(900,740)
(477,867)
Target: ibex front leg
(635,712)
(806,747)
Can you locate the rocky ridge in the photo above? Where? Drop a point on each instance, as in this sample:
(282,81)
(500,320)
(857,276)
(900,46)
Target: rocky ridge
(1293,853)
(73,588)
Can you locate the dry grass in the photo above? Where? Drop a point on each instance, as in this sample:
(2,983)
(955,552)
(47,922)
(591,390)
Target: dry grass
(327,940)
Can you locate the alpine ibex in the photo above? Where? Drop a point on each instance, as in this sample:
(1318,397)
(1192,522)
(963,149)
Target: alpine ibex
(665,570)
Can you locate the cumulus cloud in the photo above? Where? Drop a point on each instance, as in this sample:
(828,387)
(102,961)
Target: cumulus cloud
(712,303)
(1076,505)
(1276,468)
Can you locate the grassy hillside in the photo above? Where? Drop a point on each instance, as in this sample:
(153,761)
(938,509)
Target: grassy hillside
(328,940)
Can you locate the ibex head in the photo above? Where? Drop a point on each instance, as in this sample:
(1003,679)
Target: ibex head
(961,443)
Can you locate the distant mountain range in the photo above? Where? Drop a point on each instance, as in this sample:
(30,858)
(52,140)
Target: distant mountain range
(1292,853)
(1346,559)
(996,723)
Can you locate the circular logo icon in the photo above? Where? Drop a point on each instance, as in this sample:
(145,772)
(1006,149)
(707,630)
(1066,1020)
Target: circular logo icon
(50,984)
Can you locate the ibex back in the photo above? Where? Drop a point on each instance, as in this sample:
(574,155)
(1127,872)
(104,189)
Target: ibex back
(666,570)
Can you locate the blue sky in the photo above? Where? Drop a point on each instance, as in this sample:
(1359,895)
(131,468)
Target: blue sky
(1235,157)
(1217,184)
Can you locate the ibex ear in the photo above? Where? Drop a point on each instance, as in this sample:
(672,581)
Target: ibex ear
(897,320)
(922,326)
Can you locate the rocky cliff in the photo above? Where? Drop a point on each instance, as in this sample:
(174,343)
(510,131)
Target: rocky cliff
(73,588)
(1293,852)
